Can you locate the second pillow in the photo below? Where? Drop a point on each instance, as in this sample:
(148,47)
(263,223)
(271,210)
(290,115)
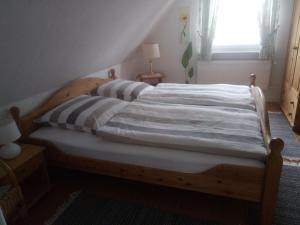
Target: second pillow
(123,89)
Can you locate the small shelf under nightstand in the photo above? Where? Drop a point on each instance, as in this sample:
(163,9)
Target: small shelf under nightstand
(31,171)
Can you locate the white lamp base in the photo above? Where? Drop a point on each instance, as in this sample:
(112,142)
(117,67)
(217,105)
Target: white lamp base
(10,151)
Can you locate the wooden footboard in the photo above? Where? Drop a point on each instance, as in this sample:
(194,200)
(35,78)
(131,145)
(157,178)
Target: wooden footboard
(241,182)
(226,180)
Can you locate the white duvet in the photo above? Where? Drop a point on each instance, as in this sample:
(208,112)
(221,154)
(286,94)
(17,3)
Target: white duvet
(236,96)
(218,130)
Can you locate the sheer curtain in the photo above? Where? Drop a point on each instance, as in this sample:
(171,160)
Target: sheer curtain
(268,21)
(268,18)
(208,19)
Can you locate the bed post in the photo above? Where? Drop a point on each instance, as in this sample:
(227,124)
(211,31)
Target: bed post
(112,74)
(252,79)
(272,181)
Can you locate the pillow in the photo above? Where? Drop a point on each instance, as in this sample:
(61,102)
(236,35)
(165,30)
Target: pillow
(83,113)
(123,89)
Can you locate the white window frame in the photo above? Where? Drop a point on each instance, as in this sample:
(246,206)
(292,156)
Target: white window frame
(236,52)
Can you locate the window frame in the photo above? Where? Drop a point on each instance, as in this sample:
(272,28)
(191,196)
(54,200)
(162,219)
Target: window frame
(236,52)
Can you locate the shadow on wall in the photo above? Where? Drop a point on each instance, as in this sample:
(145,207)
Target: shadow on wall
(40,53)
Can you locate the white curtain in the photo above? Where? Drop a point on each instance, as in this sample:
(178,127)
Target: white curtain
(268,21)
(2,219)
(208,19)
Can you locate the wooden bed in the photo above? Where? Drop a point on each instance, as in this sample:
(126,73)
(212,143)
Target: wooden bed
(241,182)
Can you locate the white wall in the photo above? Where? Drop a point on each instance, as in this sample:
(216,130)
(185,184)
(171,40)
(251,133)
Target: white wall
(44,44)
(166,33)
(234,72)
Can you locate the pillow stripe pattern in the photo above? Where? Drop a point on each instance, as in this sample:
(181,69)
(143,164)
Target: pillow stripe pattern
(83,113)
(123,89)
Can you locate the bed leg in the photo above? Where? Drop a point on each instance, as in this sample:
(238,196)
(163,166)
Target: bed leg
(112,74)
(272,181)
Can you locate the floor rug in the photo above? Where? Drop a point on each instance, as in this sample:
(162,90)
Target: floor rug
(86,208)
(280,128)
(288,204)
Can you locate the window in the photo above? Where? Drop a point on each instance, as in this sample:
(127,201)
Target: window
(237,27)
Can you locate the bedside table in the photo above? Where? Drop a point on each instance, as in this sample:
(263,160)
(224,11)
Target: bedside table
(31,171)
(152,79)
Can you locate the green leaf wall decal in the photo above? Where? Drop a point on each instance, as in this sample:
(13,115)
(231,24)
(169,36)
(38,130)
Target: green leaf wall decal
(187,55)
(191,73)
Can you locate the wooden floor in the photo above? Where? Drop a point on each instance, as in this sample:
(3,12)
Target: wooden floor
(224,210)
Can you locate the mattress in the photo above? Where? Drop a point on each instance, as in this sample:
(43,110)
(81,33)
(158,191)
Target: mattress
(90,146)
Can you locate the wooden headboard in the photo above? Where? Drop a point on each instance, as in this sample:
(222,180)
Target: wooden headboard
(69,91)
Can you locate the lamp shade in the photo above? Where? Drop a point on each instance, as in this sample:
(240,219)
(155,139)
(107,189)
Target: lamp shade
(9,131)
(151,51)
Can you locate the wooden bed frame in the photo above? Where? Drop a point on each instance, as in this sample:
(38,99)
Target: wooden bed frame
(241,182)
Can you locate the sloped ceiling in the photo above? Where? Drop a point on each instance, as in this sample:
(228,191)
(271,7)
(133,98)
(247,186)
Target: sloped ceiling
(45,43)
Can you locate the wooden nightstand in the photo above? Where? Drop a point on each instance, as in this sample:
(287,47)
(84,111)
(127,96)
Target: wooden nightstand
(152,79)
(31,171)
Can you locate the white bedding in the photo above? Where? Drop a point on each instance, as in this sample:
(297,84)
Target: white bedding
(236,96)
(206,129)
(86,145)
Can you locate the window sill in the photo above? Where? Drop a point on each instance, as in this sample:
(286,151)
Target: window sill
(235,56)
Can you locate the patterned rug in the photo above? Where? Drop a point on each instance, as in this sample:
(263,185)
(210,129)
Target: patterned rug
(280,128)
(288,205)
(86,208)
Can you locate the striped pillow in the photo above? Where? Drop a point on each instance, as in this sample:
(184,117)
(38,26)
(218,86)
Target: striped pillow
(123,89)
(83,113)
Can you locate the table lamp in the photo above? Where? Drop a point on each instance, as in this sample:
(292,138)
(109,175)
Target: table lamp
(150,52)
(9,132)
